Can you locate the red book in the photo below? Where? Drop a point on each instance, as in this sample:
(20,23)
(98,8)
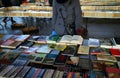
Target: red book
(112,70)
(115,52)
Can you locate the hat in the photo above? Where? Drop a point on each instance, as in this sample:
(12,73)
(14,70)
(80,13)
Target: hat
(61,1)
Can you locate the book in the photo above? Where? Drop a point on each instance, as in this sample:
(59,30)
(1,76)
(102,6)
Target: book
(115,52)
(39,58)
(41,73)
(36,73)
(7,43)
(31,49)
(106,58)
(70,50)
(44,49)
(75,39)
(22,38)
(26,44)
(33,38)
(84,64)
(6,70)
(41,39)
(56,74)
(15,44)
(23,72)
(95,50)
(52,39)
(31,73)
(93,42)
(49,59)
(72,60)
(60,60)
(106,43)
(83,49)
(48,73)
(54,51)
(9,58)
(11,72)
(18,69)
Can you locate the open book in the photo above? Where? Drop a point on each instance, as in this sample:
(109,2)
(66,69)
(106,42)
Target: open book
(75,39)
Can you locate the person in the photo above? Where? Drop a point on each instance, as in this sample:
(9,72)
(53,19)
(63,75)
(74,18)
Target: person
(7,3)
(67,17)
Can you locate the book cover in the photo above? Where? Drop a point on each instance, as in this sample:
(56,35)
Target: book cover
(23,72)
(72,60)
(84,64)
(31,73)
(11,72)
(49,59)
(56,52)
(44,49)
(31,50)
(22,38)
(56,74)
(52,39)
(115,52)
(105,43)
(60,60)
(95,50)
(19,68)
(15,44)
(48,73)
(106,58)
(93,42)
(39,58)
(83,49)
(41,73)
(41,39)
(33,38)
(6,43)
(70,50)
(6,70)
(85,42)
(36,72)
(65,39)
(9,58)
(26,44)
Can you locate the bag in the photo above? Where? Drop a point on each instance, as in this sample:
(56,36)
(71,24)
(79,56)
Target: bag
(70,29)
(82,31)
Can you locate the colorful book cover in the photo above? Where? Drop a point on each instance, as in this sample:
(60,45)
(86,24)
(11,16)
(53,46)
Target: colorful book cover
(93,42)
(70,50)
(23,72)
(50,59)
(39,58)
(115,52)
(106,58)
(26,44)
(44,49)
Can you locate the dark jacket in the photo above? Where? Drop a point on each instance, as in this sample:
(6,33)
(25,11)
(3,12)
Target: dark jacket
(6,3)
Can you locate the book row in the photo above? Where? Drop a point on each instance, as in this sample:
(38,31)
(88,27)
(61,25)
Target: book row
(32,72)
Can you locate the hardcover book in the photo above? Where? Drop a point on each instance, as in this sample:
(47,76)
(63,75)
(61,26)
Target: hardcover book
(115,52)
(106,58)
(50,59)
(44,49)
(93,42)
(39,58)
(83,49)
(41,39)
(84,64)
(70,50)
(23,72)
(60,60)
(26,44)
